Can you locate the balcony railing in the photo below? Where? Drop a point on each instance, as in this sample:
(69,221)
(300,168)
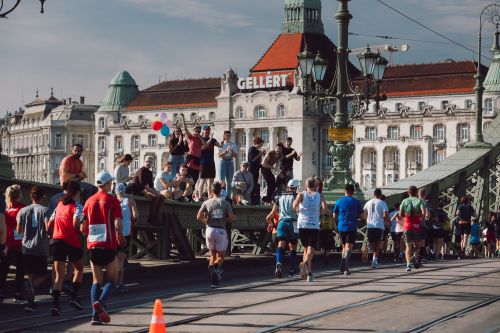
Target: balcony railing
(439,142)
(368,166)
(414,165)
(392,166)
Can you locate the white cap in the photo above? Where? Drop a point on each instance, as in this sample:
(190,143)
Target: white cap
(103,177)
(293,183)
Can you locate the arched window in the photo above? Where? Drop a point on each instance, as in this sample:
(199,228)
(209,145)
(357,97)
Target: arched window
(439,132)
(119,144)
(281,111)
(260,112)
(102,125)
(370,133)
(193,116)
(135,143)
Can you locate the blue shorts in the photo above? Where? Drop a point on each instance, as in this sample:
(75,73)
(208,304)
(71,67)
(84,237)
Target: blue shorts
(286,231)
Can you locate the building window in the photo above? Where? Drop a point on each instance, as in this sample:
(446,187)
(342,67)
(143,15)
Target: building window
(439,132)
(152,140)
(119,144)
(102,125)
(58,140)
(488,105)
(393,132)
(101,165)
(438,156)
(242,138)
(373,156)
(79,139)
(281,111)
(193,116)
(240,113)
(328,160)
(101,144)
(260,112)
(264,135)
(418,155)
(463,133)
(444,104)
(243,156)
(395,156)
(325,135)
(398,106)
(421,106)
(314,135)
(313,158)
(134,166)
(135,143)
(370,133)
(468,104)
(416,131)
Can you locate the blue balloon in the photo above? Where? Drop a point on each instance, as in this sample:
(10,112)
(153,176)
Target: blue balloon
(165,131)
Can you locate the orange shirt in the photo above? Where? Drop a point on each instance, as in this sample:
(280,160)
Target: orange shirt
(69,165)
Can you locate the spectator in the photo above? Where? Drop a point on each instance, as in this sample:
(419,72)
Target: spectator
(164,181)
(227,153)
(143,180)
(207,173)
(177,148)
(72,166)
(194,152)
(267,167)
(396,232)
(32,223)
(254,164)
(13,198)
(121,172)
(288,156)
(243,184)
(184,185)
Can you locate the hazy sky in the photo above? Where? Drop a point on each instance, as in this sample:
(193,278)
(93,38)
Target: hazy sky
(78,46)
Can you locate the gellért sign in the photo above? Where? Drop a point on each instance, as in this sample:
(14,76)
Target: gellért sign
(262,82)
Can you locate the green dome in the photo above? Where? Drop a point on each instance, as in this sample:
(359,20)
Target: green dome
(492,81)
(121,90)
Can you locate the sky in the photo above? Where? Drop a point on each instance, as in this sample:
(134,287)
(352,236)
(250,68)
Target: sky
(78,46)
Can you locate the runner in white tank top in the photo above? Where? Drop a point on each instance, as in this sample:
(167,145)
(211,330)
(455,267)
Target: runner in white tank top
(310,204)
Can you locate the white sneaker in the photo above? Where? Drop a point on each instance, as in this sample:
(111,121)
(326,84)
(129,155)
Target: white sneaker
(375,264)
(310,277)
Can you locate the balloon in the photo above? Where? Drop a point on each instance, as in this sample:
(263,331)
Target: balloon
(165,131)
(163,116)
(156,125)
(168,122)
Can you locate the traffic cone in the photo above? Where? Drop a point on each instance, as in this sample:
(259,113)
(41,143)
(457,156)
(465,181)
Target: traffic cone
(157,321)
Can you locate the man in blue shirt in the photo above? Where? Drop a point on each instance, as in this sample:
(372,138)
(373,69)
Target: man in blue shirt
(347,210)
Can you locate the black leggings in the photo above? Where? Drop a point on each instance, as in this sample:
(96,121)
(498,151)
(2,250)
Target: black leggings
(5,262)
(271,183)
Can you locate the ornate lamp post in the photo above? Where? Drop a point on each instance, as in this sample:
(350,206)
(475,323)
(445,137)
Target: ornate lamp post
(334,100)
(490,13)
(8,10)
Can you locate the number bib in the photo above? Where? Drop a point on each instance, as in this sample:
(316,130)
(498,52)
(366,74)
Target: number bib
(97,233)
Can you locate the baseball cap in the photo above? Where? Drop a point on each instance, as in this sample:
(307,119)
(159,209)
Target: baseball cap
(294,183)
(121,189)
(103,177)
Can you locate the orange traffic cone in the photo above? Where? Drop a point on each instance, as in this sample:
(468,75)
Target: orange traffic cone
(157,321)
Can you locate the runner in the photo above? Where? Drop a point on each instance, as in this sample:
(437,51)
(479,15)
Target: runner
(130,214)
(439,225)
(396,232)
(376,211)
(310,205)
(65,221)
(475,238)
(287,232)
(32,222)
(489,237)
(465,212)
(347,211)
(103,225)
(215,213)
(413,210)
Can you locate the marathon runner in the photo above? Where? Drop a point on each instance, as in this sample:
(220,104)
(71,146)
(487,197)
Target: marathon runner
(287,228)
(376,212)
(310,204)
(215,213)
(103,225)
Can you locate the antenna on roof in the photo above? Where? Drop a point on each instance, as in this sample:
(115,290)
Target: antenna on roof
(159,79)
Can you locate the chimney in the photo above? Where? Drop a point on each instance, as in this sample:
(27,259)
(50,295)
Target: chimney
(82,99)
(69,100)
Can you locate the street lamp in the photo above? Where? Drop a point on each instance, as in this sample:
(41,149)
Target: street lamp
(490,13)
(7,10)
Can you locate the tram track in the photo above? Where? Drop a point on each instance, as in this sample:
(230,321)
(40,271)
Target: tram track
(207,291)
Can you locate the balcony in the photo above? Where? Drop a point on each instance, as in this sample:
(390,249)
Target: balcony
(392,166)
(439,143)
(489,114)
(414,166)
(368,166)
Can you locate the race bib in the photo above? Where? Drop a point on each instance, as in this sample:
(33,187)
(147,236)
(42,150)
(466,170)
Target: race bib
(97,233)
(18,236)
(217,214)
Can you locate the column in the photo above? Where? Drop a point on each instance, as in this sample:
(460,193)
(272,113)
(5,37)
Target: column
(426,152)
(273,139)
(380,165)
(248,139)
(403,163)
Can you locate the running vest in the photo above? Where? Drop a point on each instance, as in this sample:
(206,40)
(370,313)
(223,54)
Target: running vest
(285,203)
(126,216)
(101,209)
(309,210)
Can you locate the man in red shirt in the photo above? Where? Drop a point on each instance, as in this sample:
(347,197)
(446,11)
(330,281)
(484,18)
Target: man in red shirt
(193,158)
(72,166)
(103,227)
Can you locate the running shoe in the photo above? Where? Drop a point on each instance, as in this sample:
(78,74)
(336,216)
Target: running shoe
(347,272)
(415,262)
(408,268)
(95,321)
(364,257)
(55,310)
(278,273)
(342,265)
(310,277)
(29,307)
(18,297)
(303,271)
(29,292)
(103,315)
(75,304)
(375,264)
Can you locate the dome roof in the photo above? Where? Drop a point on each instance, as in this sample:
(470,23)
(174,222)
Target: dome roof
(492,80)
(121,90)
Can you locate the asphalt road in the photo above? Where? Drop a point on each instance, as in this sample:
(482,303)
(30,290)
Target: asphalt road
(447,296)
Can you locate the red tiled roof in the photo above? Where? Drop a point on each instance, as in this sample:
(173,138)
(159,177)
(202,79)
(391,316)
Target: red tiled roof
(178,94)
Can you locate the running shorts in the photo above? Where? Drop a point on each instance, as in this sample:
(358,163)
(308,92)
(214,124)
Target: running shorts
(396,236)
(102,257)
(216,239)
(286,231)
(412,236)
(35,264)
(475,243)
(62,251)
(124,249)
(464,228)
(309,237)
(438,233)
(375,235)
(387,231)
(348,237)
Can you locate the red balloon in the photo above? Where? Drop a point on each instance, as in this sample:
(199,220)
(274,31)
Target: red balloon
(156,125)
